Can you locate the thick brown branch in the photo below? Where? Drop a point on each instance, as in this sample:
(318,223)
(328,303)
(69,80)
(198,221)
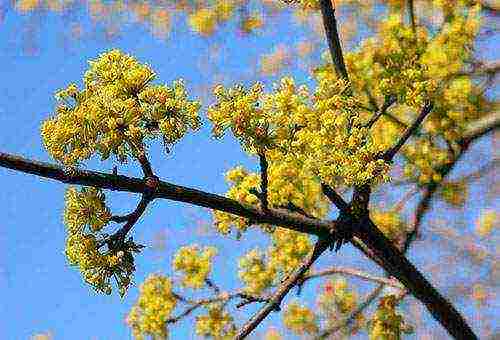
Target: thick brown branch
(411,14)
(283,289)
(165,190)
(332,35)
(334,197)
(396,264)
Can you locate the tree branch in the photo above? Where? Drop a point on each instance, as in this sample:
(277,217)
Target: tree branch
(411,14)
(283,289)
(390,258)
(263,180)
(359,309)
(352,272)
(398,266)
(165,190)
(332,35)
(334,197)
(221,298)
(131,219)
(389,154)
(387,103)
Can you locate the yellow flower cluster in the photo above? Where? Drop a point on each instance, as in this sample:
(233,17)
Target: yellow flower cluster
(486,222)
(322,133)
(238,110)
(206,19)
(242,182)
(287,183)
(401,72)
(337,301)
(252,23)
(195,264)
(255,272)
(454,193)
(389,222)
(300,319)
(418,66)
(305,4)
(217,323)
(259,271)
(85,210)
(423,161)
(116,111)
(85,214)
(288,250)
(337,296)
(334,144)
(448,50)
(170,109)
(386,324)
(153,308)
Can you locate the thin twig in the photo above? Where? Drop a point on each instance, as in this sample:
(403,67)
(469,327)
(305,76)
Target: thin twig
(283,289)
(389,154)
(220,298)
(387,103)
(349,319)
(131,221)
(263,180)
(212,285)
(353,272)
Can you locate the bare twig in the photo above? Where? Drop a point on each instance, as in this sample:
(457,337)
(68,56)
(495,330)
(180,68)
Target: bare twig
(389,154)
(131,221)
(283,289)
(353,272)
(248,298)
(263,180)
(387,103)
(212,285)
(359,309)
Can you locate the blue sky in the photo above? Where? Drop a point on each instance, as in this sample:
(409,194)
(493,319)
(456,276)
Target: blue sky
(38,290)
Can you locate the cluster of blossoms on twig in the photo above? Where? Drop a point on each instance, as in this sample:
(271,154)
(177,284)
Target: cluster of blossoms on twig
(116,111)
(154,306)
(260,271)
(85,215)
